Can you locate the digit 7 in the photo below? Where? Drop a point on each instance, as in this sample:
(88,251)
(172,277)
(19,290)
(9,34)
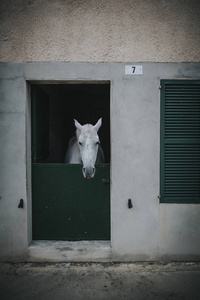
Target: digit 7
(133,69)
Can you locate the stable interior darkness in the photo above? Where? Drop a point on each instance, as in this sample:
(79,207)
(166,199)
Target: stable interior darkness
(83,102)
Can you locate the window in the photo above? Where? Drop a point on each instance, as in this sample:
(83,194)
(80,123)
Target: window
(180,141)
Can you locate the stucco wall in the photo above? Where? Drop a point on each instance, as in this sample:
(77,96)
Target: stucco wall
(148,231)
(100,31)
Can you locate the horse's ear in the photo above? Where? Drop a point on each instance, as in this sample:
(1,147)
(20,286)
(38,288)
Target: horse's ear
(78,125)
(98,124)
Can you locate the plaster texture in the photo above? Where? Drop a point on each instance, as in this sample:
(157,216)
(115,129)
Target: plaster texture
(149,231)
(100,31)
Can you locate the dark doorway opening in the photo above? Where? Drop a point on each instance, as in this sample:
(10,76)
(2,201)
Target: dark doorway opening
(66,102)
(65,205)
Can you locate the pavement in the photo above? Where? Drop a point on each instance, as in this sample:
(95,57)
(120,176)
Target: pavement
(163,281)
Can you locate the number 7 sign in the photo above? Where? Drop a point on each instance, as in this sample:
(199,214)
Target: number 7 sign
(133,70)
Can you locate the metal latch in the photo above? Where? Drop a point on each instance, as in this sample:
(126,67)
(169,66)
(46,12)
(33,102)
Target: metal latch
(21,203)
(105,180)
(130,205)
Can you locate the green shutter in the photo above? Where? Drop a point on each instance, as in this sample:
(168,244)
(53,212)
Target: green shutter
(180,141)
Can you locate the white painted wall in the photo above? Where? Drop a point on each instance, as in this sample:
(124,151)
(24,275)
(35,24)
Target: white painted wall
(148,231)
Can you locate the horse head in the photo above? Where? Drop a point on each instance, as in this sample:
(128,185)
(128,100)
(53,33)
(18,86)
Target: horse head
(88,143)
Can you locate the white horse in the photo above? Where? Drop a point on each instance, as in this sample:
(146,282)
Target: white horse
(85,148)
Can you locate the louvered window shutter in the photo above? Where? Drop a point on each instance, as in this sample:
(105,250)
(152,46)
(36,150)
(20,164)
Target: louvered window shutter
(180,141)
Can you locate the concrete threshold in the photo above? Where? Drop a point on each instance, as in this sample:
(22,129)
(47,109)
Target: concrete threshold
(65,251)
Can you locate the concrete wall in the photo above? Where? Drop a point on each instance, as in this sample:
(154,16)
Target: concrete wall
(100,31)
(148,231)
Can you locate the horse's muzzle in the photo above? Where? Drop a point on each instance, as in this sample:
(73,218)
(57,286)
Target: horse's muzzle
(88,172)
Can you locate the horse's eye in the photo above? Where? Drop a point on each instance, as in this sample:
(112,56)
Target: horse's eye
(97,143)
(80,143)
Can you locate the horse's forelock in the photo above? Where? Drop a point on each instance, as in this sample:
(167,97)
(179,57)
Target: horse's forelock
(88,130)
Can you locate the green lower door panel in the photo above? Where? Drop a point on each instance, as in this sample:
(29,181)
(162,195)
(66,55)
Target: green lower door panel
(66,206)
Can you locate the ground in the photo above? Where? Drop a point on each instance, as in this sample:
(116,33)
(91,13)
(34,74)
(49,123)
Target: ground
(115,281)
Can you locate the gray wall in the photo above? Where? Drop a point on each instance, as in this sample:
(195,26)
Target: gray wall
(149,231)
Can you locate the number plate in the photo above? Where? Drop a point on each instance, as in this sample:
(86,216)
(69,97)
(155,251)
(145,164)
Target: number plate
(133,70)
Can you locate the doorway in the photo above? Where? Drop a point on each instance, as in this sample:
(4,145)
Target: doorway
(65,206)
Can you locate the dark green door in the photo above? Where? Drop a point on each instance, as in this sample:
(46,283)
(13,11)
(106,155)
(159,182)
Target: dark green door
(65,205)
(68,207)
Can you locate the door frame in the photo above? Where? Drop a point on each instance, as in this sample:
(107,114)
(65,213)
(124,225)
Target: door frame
(29,150)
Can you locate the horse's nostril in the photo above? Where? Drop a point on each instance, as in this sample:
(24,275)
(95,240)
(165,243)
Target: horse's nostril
(88,172)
